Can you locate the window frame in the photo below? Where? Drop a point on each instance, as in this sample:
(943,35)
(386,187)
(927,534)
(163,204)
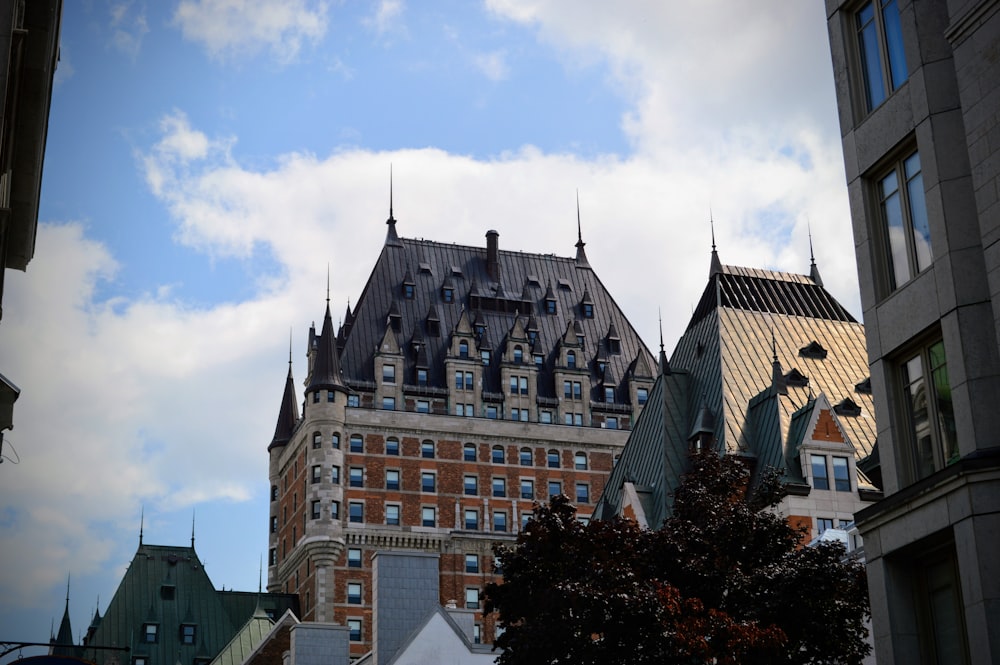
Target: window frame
(352,560)
(393,514)
(905,249)
(424,477)
(939,453)
(392,484)
(427,449)
(358,518)
(356,598)
(529,485)
(423,516)
(880,37)
(470,485)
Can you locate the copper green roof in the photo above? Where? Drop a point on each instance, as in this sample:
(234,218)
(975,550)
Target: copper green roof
(246,640)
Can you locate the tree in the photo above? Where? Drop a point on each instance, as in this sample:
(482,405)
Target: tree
(725,580)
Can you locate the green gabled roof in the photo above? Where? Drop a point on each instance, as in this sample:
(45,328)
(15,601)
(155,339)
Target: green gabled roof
(655,456)
(168,586)
(246,640)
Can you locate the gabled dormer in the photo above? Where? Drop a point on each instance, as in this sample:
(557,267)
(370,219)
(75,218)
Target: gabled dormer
(613,340)
(587,305)
(408,288)
(448,294)
(813,350)
(531,330)
(394,317)
(549,301)
(463,341)
(516,348)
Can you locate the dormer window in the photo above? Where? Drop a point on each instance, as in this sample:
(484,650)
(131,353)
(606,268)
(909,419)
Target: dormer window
(796,379)
(588,310)
(614,345)
(425,268)
(480,329)
(448,294)
(609,395)
(847,407)
(539,359)
(150,633)
(571,359)
(532,336)
(408,290)
(463,349)
(518,354)
(485,355)
(187,633)
(421,377)
(813,350)
(550,306)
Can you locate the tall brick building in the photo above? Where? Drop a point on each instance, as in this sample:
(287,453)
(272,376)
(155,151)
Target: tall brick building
(467,383)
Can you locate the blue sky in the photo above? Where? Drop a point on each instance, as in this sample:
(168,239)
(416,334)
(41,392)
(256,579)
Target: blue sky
(207,160)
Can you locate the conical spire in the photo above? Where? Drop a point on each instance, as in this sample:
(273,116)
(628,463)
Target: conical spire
(716,266)
(288,414)
(326,368)
(391,239)
(64,638)
(664,364)
(813,270)
(581,255)
(777,374)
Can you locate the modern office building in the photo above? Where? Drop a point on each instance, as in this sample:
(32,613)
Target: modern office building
(466,383)
(918,91)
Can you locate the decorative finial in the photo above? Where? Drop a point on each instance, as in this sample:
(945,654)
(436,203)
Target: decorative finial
(142,519)
(711,221)
(390,193)
(260,573)
(581,255)
(192,528)
(67,588)
(289,349)
(813,269)
(664,363)
(716,265)
(774,346)
(328,284)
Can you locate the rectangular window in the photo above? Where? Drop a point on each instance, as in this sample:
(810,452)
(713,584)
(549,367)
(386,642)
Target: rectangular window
(335,475)
(149,632)
(317,473)
(427,483)
(335,441)
(392,479)
(907,234)
(468,381)
(472,519)
(609,395)
(555,488)
(315,509)
(485,355)
(499,520)
(471,485)
(524,457)
(389,403)
(272,556)
(458,381)
(500,487)
(525,517)
(357,477)
(472,599)
(356,512)
(496,455)
(582,493)
(472,563)
(821,478)
(423,406)
(469,452)
(317,441)
(611,422)
(357,444)
(335,510)
(880,42)
(427,516)
(578,419)
(459,409)
(841,477)
(515,414)
(527,488)
(552,459)
(491,412)
(513,385)
(421,377)
(577,390)
(822,524)
(929,410)
(392,447)
(354,626)
(274,492)
(545,417)
(388,373)
(392,514)
(274,524)
(353,558)
(329,396)
(354,400)
(187,633)
(427,449)
(567,389)
(641,395)
(522,383)
(354,593)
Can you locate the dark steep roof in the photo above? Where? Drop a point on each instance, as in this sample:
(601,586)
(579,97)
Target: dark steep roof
(326,370)
(523,280)
(288,414)
(168,586)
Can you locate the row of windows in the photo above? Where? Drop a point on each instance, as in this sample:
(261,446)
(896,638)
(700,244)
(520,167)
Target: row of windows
(821,473)
(428,483)
(428,518)
(151,633)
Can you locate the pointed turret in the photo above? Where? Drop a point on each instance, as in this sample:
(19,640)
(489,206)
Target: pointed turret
(813,269)
(777,375)
(703,430)
(664,364)
(64,638)
(391,239)
(581,255)
(288,414)
(326,368)
(716,266)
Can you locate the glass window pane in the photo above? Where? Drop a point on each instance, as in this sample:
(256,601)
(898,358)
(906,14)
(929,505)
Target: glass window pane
(893,214)
(945,409)
(918,410)
(870,61)
(841,479)
(894,43)
(821,479)
(918,211)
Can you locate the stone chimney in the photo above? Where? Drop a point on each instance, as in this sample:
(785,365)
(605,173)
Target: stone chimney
(493,254)
(405,586)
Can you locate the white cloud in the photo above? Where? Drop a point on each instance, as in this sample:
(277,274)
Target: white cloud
(493,65)
(386,17)
(128,27)
(234,28)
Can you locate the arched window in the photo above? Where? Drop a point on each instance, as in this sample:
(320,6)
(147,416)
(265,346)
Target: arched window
(497,455)
(335,440)
(357,444)
(552,459)
(463,349)
(317,440)
(525,457)
(571,359)
(518,354)
(469,452)
(580,461)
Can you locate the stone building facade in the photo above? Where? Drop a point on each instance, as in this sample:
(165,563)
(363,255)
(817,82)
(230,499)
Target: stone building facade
(466,384)
(918,91)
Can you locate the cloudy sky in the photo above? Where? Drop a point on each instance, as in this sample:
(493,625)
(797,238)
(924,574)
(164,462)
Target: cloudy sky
(208,159)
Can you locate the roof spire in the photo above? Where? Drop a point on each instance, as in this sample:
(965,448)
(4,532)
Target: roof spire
(142,519)
(777,376)
(716,266)
(390,237)
(813,270)
(664,364)
(192,528)
(581,256)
